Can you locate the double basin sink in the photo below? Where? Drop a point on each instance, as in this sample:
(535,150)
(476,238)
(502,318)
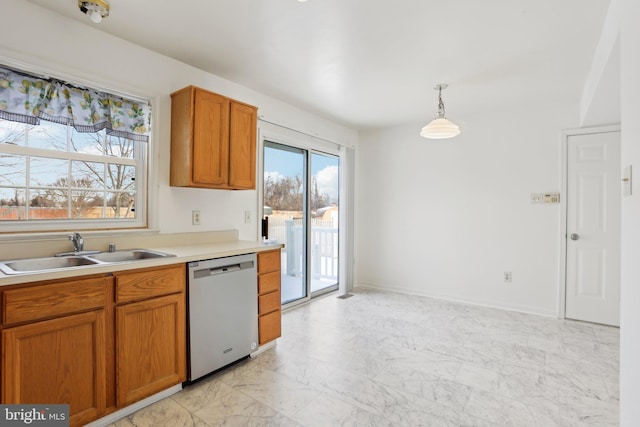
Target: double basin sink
(38,265)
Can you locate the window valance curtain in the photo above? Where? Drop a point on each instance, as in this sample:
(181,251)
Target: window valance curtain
(29,99)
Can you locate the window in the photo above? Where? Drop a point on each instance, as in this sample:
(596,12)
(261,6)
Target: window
(62,173)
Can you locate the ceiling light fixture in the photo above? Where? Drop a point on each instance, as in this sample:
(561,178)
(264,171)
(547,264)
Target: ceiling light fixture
(94,9)
(440,127)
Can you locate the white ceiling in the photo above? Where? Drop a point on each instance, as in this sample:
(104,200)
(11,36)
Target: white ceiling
(374,63)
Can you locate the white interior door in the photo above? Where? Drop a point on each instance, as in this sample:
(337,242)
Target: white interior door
(593,228)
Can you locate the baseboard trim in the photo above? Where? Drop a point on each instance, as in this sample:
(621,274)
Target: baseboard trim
(115,416)
(469,301)
(264,348)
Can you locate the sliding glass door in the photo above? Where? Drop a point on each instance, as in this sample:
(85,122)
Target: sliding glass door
(285,171)
(301,194)
(325,188)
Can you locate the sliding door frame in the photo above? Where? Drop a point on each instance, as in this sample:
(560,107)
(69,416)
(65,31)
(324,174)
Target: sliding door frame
(284,136)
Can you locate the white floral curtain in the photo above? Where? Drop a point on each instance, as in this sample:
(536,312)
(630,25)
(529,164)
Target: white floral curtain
(28,99)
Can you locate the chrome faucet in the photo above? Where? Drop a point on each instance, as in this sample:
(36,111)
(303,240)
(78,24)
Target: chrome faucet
(77,241)
(78,246)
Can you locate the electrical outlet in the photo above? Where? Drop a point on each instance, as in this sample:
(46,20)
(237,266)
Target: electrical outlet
(195,217)
(247,217)
(507,277)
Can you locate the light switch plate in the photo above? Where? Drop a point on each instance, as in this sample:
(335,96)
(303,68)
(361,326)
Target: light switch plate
(535,198)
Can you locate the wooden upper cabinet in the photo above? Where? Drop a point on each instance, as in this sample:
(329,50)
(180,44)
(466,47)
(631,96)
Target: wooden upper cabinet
(213,141)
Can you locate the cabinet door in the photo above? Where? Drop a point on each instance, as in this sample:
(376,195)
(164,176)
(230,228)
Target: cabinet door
(242,146)
(58,361)
(151,347)
(210,139)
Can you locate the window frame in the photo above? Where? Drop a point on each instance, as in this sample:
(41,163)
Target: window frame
(143,159)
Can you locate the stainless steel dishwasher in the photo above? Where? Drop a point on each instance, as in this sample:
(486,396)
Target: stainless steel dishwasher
(223,312)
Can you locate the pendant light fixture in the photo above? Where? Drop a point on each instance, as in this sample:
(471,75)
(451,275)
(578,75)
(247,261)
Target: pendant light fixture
(440,127)
(94,9)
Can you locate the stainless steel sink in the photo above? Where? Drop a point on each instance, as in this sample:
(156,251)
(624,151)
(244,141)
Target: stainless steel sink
(32,265)
(39,265)
(128,255)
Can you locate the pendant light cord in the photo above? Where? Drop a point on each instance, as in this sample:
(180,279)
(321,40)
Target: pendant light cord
(440,103)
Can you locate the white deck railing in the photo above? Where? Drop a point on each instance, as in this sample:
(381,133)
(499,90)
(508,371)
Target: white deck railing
(324,246)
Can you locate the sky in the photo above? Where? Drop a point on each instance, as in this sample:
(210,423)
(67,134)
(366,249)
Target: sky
(281,163)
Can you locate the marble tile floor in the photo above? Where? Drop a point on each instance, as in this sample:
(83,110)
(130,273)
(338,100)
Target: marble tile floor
(387,359)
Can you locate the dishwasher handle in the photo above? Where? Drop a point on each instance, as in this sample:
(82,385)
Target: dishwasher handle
(207,272)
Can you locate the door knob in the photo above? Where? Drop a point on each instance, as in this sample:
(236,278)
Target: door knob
(574,236)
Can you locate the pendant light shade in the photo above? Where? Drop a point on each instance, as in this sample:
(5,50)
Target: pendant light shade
(440,127)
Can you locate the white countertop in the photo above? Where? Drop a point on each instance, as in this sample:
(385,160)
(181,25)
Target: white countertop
(184,253)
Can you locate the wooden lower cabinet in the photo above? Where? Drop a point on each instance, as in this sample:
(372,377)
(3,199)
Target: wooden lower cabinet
(60,360)
(269,301)
(150,343)
(97,343)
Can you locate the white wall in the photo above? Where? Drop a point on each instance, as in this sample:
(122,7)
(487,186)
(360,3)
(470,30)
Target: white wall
(600,103)
(448,218)
(81,53)
(630,297)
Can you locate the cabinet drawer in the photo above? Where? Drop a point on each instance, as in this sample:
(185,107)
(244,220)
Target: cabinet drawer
(151,282)
(268,282)
(54,299)
(269,302)
(269,327)
(268,261)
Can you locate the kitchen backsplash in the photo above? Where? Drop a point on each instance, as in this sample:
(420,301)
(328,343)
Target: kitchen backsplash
(44,245)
